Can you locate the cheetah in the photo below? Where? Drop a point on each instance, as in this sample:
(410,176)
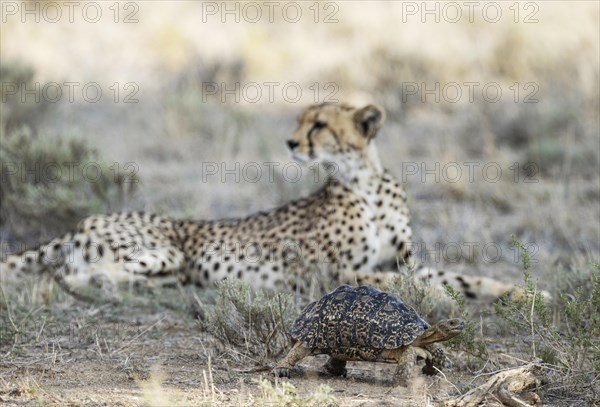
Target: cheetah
(358,220)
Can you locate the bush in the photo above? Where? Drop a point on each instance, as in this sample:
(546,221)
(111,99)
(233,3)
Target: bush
(17,110)
(434,305)
(48,181)
(470,340)
(428,301)
(567,341)
(55,183)
(251,325)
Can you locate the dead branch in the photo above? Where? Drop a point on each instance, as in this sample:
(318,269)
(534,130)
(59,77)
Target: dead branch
(503,388)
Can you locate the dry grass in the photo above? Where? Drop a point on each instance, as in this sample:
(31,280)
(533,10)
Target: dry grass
(171,133)
(250,326)
(566,341)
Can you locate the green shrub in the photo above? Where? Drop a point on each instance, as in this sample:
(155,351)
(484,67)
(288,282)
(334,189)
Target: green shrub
(566,340)
(470,340)
(434,305)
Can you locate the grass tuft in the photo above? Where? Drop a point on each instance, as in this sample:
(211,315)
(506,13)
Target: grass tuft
(285,394)
(250,325)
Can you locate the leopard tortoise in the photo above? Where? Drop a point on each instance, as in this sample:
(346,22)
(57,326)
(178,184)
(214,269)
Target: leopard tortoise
(366,324)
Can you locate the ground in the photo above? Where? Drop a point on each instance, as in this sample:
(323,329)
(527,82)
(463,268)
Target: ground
(181,144)
(78,354)
(153,350)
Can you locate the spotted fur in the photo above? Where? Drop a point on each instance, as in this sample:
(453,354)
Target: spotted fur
(339,234)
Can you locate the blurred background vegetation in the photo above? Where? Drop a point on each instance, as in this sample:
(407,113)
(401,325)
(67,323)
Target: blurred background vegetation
(151,152)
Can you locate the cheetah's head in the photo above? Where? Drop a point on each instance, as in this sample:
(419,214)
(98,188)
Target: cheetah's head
(327,133)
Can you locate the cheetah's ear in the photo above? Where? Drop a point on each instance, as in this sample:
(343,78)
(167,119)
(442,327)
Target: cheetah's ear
(368,120)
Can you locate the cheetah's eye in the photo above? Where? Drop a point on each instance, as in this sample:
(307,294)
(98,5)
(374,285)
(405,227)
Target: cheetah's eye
(317,126)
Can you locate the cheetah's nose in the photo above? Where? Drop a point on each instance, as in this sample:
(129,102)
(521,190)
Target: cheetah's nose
(292,144)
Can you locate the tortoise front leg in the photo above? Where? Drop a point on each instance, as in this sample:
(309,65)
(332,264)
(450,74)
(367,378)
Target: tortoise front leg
(406,358)
(436,361)
(406,363)
(297,353)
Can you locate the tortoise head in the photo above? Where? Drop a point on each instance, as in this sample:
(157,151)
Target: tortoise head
(442,331)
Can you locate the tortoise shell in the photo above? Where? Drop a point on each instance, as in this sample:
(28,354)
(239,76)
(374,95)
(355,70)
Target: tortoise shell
(358,317)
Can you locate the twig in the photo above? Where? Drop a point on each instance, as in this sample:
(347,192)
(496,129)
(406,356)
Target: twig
(257,369)
(137,336)
(501,386)
(55,398)
(33,362)
(531,322)
(443,376)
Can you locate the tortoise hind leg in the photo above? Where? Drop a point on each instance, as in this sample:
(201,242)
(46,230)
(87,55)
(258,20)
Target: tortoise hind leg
(297,353)
(336,367)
